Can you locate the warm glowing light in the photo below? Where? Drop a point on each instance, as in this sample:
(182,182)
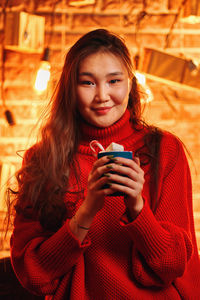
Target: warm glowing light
(145,92)
(140,78)
(191,19)
(81,3)
(42,77)
(149,94)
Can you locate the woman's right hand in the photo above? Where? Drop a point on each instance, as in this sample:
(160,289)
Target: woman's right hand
(97,179)
(94,201)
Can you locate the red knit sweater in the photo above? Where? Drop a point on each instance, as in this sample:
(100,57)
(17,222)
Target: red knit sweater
(153,257)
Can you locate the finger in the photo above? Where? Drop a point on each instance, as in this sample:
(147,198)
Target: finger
(132,163)
(126,189)
(137,160)
(101,161)
(99,183)
(127,181)
(99,171)
(134,174)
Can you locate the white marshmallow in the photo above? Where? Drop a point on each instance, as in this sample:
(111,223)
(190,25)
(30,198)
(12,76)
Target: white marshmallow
(115,147)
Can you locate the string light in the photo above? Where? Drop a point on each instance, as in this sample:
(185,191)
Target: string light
(43,73)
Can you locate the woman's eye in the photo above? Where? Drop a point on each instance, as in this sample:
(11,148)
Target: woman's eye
(114,81)
(86,82)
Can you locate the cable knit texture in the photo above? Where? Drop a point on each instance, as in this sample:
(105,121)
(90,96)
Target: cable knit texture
(153,257)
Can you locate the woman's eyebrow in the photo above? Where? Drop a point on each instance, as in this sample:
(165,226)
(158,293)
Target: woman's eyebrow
(115,73)
(85,74)
(109,74)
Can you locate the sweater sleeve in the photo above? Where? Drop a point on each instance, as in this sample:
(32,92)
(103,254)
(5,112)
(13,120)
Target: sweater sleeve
(162,242)
(40,259)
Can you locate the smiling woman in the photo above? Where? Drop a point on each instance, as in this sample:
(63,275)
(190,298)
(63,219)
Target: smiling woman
(103,89)
(74,237)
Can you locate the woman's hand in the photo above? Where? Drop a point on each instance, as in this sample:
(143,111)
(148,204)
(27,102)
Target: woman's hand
(109,175)
(97,180)
(94,200)
(120,175)
(128,177)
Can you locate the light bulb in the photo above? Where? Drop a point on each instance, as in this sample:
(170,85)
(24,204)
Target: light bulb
(42,77)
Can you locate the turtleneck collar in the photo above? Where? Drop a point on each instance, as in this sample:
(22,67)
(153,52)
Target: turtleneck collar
(117,132)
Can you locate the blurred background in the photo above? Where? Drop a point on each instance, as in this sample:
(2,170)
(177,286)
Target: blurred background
(164,40)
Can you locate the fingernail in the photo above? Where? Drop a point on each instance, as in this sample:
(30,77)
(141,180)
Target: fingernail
(113,159)
(106,175)
(110,156)
(109,166)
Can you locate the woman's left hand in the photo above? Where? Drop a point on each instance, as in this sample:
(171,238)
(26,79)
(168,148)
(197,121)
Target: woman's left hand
(128,178)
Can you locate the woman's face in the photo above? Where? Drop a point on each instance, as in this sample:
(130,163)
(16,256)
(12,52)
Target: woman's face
(103,89)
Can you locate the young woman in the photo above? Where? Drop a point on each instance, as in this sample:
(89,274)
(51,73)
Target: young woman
(74,239)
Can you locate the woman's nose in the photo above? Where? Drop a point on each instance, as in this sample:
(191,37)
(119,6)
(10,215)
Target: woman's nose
(102,93)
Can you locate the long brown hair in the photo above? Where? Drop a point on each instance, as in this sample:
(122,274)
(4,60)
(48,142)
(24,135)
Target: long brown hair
(48,163)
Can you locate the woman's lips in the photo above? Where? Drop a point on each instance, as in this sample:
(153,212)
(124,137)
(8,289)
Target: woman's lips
(102,110)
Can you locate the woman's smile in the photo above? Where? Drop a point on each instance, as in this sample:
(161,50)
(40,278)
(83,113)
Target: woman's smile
(102,110)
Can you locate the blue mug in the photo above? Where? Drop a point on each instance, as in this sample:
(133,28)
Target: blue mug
(125,154)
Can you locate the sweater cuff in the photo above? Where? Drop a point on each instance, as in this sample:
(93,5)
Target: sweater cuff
(84,244)
(147,233)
